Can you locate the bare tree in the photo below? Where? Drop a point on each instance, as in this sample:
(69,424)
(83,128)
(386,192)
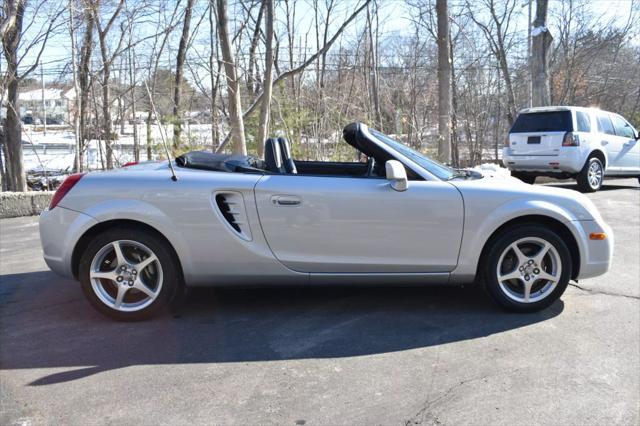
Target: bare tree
(287,74)
(233,84)
(12,32)
(444,83)
(177,93)
(107,60)
(265,108)
(84,80)
(540,45)
(497,31)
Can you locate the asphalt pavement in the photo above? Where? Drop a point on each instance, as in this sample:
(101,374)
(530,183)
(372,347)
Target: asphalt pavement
(312,356)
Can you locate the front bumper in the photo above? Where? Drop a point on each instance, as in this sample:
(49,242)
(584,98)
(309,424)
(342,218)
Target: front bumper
(595,255)
(568,160)
(60,230)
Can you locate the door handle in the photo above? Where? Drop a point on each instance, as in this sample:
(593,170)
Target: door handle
(286,200)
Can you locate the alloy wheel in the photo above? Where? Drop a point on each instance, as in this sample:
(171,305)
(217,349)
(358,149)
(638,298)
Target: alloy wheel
(595,174)
(529,270)
(126,275)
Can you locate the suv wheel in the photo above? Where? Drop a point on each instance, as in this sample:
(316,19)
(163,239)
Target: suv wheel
(591,176)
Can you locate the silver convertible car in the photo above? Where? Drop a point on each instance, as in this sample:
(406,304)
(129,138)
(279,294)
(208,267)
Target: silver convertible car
(137,236)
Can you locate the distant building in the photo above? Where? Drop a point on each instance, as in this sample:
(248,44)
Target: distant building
(59,104)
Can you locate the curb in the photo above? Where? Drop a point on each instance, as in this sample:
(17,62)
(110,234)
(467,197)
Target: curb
(16,204)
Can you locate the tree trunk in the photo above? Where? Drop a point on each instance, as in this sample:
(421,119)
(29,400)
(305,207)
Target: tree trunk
(177,91)
(373,47)
(233,85)
(444,83)
(265,108)
(76,89)
(541,42)
(132,83)
(84,82)
(11,36)
(252,84)
(106,115)
(215,82)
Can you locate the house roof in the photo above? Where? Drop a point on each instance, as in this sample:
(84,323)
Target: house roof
(49,94)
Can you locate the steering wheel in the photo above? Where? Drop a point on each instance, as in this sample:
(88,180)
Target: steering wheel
(371,163)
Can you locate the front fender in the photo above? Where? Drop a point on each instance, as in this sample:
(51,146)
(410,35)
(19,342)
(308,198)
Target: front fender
(480,227)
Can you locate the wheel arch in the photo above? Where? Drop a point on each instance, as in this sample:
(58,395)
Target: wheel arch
(563,231)
(600,155)
(89,234)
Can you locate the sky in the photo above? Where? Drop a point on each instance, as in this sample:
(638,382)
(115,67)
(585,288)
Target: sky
(395,19)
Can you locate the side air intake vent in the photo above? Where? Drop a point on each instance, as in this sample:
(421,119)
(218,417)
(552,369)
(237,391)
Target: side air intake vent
(231,207)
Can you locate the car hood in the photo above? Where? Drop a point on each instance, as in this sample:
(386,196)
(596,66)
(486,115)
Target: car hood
(500,189)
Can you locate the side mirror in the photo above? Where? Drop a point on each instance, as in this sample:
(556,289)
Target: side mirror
(397,175)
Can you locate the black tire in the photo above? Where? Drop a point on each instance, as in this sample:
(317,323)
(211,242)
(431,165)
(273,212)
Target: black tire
(500,244)
(584,183)
(525,177)
(170,273)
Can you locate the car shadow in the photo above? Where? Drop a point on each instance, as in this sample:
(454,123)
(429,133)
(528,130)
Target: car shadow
(46,323)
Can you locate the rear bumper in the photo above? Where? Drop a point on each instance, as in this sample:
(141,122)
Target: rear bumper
(568,160)
(60,230)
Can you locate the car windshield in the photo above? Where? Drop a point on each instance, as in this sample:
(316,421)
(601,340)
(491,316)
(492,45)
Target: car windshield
(439,170)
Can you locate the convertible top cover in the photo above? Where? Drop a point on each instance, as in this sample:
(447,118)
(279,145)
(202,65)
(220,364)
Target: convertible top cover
(204,160)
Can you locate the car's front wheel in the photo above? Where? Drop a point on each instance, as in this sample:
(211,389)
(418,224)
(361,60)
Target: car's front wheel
(128,274)
(527,268)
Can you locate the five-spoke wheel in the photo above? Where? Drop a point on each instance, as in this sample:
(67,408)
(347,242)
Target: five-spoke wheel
(528,267)
(126,275)
(129,274)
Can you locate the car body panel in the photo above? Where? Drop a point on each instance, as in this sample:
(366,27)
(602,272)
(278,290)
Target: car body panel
(361,225)
(490,204)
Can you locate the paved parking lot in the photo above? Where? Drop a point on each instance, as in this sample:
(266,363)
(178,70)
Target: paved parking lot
(324,356)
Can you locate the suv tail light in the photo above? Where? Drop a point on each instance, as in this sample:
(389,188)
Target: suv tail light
(507,143)
(570,139)
(66,186)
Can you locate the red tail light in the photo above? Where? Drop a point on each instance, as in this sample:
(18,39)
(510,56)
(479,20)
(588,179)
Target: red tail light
(507,143)
(66,186)
(570,139)
(130,163)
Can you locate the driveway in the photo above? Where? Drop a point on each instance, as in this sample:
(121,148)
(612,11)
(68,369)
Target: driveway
(324,355)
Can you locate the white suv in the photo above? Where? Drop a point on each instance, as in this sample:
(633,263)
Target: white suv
(572,142)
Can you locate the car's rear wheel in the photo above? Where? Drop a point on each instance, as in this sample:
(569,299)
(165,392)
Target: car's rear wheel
(528,268)
(591,176)
(128,274)
(525,177)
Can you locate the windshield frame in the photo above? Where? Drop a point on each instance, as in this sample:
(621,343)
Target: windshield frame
(418,162)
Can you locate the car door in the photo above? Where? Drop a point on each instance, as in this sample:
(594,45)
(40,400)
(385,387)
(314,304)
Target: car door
(331,224)
(611,143)
(629,156)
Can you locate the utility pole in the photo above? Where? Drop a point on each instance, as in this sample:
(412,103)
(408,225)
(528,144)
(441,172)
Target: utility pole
(44,102)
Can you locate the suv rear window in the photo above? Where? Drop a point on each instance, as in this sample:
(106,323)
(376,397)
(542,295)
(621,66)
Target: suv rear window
(553,121)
